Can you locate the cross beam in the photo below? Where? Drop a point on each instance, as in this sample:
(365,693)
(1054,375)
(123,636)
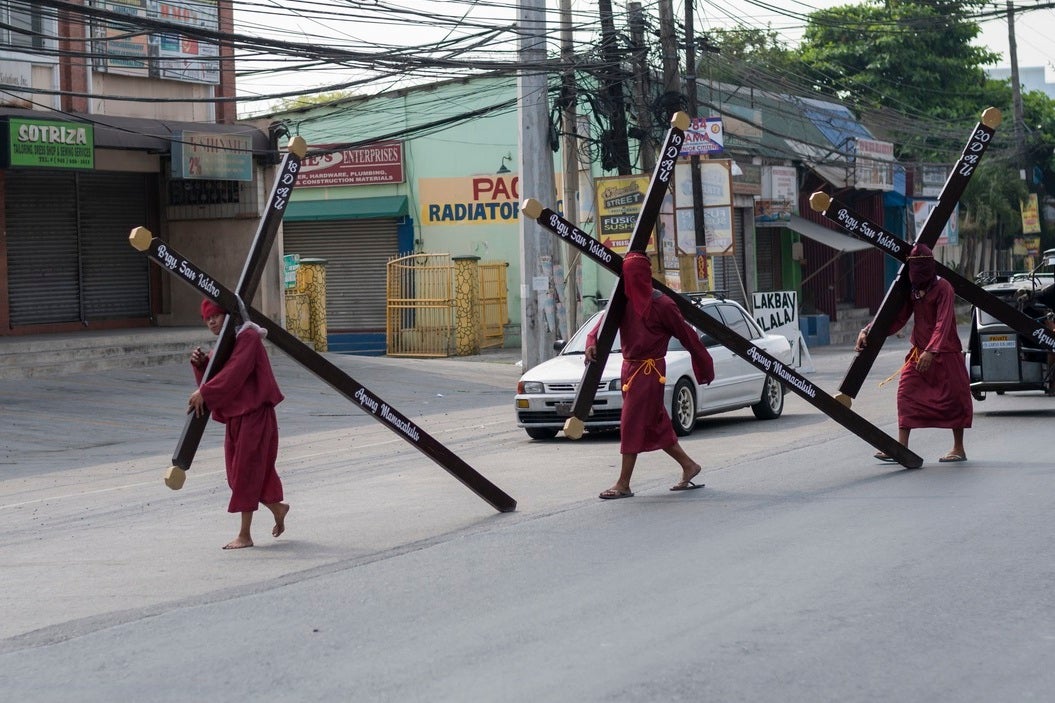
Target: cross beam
(899,249)
(185,270)
(740,346)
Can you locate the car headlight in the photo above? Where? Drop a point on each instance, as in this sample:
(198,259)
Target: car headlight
(616,384)
(531,387)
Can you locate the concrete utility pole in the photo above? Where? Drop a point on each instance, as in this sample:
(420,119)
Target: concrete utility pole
(1016,92)
(537,315)
(688,273)
(669,44)
(570,151)
(613,91)
(644,83)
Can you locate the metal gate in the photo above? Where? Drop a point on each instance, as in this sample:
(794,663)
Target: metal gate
(494,305)
(422,305)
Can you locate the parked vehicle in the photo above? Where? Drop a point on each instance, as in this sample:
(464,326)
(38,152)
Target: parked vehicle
(545,393)
(998,358)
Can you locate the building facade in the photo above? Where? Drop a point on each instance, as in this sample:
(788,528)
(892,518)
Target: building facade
(444,181)
(103,130)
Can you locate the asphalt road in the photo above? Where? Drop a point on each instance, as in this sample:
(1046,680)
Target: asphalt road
(805,571)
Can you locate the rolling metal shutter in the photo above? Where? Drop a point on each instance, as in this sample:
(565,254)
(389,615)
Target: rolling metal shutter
(767,256)
(42,253)
(356,254)
(114,276)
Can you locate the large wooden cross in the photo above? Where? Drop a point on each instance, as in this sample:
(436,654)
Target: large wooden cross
(897,294)
(234,302)
(738,344)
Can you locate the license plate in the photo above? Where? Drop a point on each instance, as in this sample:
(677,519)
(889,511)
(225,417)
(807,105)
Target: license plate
(998,341)
(563,409)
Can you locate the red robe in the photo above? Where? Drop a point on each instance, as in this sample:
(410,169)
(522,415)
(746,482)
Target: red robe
(243,396)
(645,425)
(941,397)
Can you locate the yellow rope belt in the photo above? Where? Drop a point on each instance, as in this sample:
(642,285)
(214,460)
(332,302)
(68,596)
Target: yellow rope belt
(649,365)
(912,357)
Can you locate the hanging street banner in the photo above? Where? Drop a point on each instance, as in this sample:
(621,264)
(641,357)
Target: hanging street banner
(1030,215)
(703,137)
(950,234)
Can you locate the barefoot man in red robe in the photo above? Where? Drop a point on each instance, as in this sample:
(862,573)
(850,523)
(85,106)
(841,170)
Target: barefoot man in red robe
(934,389)
(648,323)
(243,396)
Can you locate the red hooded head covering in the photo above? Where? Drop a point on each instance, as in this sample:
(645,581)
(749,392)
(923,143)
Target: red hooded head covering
(637,282)
(209,308)
(921,269)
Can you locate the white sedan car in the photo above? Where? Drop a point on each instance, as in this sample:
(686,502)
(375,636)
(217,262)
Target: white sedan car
(545,393)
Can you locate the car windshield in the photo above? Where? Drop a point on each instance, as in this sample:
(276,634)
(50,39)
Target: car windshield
(577,344)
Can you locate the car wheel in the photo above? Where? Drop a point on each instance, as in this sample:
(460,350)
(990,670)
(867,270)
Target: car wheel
(978,395)
(683,408)
(541,432)
(771,405)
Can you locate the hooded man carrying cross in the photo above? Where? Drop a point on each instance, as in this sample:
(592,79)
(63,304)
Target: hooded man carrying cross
(934,389)
(649,322)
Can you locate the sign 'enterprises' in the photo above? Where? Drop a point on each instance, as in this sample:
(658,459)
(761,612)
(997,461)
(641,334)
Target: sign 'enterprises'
(47,144)
(476,200)
(364,165)
(212,156)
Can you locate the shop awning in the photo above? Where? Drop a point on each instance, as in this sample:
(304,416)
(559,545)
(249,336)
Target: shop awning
(384,206)
(828,237)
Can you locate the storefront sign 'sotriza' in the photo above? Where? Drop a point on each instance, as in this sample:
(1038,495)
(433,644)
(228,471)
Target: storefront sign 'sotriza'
(238,311)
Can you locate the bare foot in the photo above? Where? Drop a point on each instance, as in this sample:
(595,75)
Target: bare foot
(280,519)
(688,474)
(239,543)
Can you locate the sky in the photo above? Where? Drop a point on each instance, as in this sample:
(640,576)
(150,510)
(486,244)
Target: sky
(1034,30)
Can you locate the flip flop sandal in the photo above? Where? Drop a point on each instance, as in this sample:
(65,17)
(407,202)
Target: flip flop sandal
(613,494)
(687,486)
(883,456)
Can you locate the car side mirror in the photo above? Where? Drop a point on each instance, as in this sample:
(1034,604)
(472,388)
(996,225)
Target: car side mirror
(708,340)
(558,345)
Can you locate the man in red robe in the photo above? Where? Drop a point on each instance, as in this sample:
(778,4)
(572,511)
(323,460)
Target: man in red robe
(648,323)
(934,389)
(243,395)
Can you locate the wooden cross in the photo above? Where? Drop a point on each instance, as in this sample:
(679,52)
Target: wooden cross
(739,345)
(233,302)
(898,292)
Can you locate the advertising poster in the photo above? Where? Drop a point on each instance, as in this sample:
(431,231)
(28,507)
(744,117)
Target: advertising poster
(470,200)
(182,57)
(120,49)
(619,200)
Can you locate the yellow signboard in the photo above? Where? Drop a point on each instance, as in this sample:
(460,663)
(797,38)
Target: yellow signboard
(1030,215)
(619,200)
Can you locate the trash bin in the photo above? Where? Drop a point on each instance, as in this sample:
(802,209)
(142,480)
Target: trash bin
(815,329)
